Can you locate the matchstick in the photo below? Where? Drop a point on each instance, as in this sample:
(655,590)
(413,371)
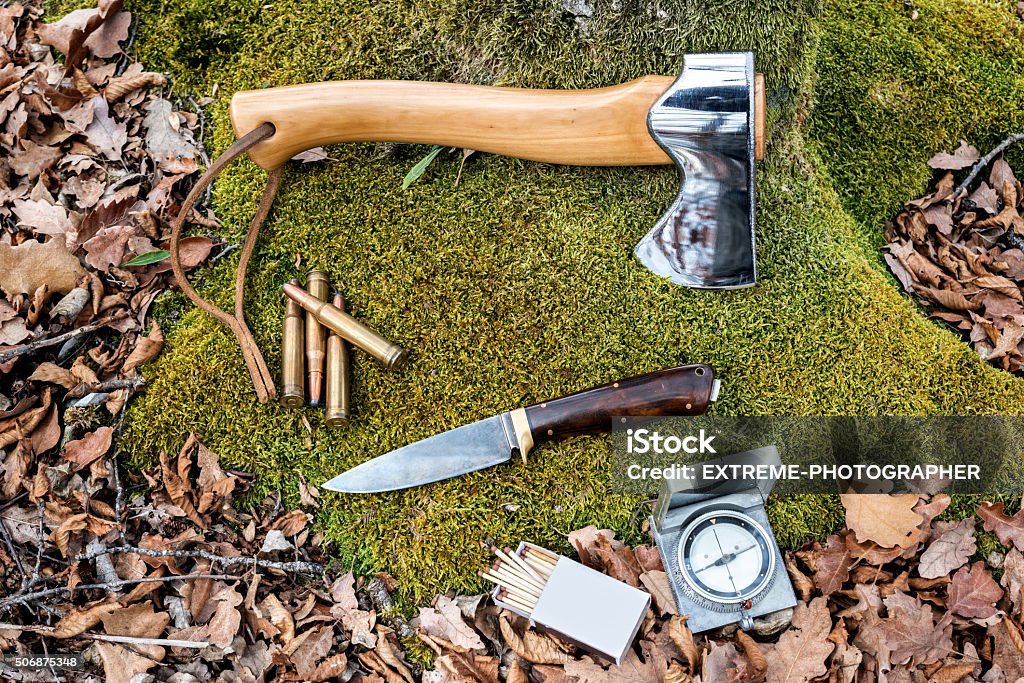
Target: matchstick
(543,556)
(512,600)
(522,563)
(506,580)
(514,572)
(517,580)
(544,569)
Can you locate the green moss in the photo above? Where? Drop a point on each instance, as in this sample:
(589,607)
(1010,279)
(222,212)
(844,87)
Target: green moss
(519,284)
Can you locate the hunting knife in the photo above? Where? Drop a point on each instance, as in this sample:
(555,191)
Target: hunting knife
(684,390)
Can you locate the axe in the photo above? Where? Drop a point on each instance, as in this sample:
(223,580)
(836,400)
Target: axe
(709,121)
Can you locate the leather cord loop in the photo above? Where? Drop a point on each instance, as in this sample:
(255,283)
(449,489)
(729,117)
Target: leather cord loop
(262,380)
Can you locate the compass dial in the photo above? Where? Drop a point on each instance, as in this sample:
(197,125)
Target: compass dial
(726,556)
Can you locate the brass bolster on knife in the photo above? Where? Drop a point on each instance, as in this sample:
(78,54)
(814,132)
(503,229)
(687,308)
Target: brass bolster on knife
(521,425)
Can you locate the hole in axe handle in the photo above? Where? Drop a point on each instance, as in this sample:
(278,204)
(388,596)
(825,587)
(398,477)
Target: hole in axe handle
(684,390)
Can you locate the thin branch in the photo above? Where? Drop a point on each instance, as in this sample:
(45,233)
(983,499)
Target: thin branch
(167,642)
(107,585)
(60,338)
(131,640)
(107,386)
(985,161)
(297,567)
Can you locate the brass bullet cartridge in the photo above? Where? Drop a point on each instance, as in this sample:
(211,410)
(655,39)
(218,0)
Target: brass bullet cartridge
(347,327)
(317,286)
(337,375)
(292,352)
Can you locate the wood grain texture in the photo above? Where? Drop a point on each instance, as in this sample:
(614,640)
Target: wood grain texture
(600,127)
(684,390)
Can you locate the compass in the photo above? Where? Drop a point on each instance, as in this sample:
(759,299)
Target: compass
(726,556)
(719,553)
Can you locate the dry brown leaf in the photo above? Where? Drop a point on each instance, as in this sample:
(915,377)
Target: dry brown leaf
(31,264)
(833,565)
(753,652)
(42,217)
(120,86)
(313,650)
(681,635)
(953,544)
(104,134)
(802,649)
(54,374)
(226,618)
(82,452)
(146,350)
(911,633)
(656,583)
(444,619)
(973,593)
(166,146)
(888,520)
(121,665)
(80,620)
(531,646)
(280,617)
(962,157)
(1009,530)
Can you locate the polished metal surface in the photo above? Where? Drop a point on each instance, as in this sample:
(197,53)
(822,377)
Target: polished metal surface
(464,449)
(705,122)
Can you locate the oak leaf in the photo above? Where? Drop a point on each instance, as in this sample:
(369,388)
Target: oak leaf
(952,545)
(962,157)
(121,665)
(888,520)
(833,565)
(42,217)
(973,593)
(104,134)
(1009,530)
(444,619)
(802,649)
(656,583)
(531,646)
(631,670)
(911,633)
(31,264)
(82,452)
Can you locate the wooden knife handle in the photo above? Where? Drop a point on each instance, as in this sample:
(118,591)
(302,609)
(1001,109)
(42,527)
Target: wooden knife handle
(600,127)
(685,390)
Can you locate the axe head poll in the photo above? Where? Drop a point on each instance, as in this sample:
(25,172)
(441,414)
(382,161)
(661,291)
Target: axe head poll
(708,121)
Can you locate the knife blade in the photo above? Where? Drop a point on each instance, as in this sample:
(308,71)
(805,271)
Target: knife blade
(684,390)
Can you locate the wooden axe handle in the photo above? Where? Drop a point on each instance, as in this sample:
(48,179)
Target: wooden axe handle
(599,127)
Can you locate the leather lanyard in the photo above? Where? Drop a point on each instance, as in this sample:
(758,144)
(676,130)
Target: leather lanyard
(262,380)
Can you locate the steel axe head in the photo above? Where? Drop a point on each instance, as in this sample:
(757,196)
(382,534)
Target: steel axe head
(706,123)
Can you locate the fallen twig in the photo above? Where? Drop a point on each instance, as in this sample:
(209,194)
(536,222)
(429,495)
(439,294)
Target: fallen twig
(983,162)
(106,386)
(27,598)
(60,338)
(296,566)
(131,640)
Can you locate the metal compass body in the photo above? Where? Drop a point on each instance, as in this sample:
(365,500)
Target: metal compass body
(722,561)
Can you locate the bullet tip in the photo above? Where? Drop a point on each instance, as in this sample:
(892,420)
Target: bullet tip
(314,403)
